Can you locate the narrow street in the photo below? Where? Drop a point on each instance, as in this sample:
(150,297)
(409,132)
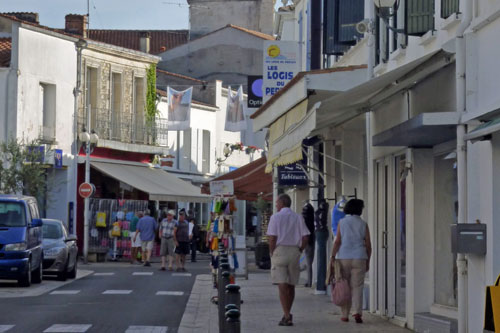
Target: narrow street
(116,297)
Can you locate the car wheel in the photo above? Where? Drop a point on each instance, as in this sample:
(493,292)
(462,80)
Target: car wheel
(25,279)
(37,275)
(72,273)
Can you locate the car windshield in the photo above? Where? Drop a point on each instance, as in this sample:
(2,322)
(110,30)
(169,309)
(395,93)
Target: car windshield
(51,230)
(12,214)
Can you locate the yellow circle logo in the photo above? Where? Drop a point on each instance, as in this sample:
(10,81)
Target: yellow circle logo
(273,51)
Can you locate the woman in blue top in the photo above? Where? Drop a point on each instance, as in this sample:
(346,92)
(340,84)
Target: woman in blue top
(352,247)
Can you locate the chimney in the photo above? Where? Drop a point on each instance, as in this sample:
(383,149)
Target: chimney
(23,16)
(145,41)
(76,24)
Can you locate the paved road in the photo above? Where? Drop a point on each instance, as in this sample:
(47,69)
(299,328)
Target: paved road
(116,297)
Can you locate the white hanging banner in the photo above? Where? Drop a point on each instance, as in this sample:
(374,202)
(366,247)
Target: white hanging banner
(179,109)
(235,119)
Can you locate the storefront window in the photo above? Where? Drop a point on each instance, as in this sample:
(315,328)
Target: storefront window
(445,214)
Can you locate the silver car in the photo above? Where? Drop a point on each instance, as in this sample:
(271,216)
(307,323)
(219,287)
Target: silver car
(60,250)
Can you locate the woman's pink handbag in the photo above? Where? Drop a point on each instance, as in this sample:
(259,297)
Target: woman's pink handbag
(341,293)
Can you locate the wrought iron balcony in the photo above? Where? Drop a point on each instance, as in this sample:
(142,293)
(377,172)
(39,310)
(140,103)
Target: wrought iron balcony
(127,128)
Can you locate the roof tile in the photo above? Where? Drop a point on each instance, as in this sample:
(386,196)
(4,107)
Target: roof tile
(5,51)
(161,40)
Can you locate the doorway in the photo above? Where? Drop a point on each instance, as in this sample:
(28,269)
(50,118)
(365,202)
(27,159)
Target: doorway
(390,187)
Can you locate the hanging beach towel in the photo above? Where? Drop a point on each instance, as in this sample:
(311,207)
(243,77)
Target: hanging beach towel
(101,220)
(116,231)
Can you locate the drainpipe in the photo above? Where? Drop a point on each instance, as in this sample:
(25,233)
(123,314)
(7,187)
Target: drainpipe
(79,46)
(462,159)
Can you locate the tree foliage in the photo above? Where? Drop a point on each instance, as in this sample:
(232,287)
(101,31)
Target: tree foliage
(151,96)
(21,168)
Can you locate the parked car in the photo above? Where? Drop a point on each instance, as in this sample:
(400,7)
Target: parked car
(21,252)
(60,250)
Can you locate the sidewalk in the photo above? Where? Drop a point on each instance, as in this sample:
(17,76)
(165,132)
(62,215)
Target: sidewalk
(261,310)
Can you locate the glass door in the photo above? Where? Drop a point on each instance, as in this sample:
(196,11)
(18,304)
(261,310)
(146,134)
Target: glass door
(400,239)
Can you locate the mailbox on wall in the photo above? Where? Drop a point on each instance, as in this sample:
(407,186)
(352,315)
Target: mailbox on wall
(468,238)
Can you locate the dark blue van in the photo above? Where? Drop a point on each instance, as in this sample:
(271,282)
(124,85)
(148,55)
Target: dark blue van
(21,252)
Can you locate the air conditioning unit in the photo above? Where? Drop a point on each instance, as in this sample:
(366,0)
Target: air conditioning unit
(364,26)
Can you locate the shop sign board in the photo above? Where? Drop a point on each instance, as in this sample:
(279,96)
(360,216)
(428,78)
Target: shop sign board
(86,190)
(281,64)
(222,187)
(254,86)
(292,175)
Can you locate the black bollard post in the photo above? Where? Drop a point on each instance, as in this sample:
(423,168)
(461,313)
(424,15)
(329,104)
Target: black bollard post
(233,324)
(233,295)
(223,271)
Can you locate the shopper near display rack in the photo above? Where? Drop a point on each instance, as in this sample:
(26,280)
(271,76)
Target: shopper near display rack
(146,228)
(166,233)
(136,243)
(194,236)
(181,239)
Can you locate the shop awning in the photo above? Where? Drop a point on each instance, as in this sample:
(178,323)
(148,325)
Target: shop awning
(159,184)
(483,130)
(424,130)
(250,181)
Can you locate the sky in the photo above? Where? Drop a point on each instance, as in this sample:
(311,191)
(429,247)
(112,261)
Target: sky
(107,14)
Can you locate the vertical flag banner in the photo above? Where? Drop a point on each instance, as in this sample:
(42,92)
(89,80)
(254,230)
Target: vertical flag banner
(235,119)
(179,109)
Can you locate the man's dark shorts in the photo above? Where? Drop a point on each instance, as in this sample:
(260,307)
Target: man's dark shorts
(183,248)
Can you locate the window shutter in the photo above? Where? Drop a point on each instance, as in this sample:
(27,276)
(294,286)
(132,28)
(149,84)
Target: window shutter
(419,16)
(340,18)
(351,12)
(449,7)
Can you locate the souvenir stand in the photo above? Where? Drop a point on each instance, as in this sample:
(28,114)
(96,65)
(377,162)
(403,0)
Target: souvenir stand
(221,229)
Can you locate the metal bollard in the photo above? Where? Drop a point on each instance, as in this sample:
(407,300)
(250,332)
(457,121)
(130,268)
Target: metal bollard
(223,281)
(233,324)
(233,295)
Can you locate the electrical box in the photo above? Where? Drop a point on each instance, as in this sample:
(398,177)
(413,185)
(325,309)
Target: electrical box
(468,238)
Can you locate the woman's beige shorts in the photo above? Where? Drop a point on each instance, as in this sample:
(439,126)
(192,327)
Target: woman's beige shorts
(285,265)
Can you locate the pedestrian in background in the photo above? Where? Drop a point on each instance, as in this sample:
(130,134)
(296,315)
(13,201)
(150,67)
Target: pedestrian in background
(353,249)
(181,239)
(136,243)
(308,215)
(194,235)
(166,234)
(146,229)
(288,236)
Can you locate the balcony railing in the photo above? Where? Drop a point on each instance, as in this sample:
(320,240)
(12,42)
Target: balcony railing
(126,128)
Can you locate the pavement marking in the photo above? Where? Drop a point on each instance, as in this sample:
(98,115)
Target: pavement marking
(181,274)
(142,273)
(64,292)
(147,329)
(5,328)
(169,293)
(117,292)
(67,328)
(103,274)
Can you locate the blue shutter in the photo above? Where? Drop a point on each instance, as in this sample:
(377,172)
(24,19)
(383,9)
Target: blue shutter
(340,18)
(419,16)
(449,7)
(351,12)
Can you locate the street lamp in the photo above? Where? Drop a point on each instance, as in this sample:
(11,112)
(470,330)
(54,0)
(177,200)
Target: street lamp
(226,151)
(383,10)
(90,140)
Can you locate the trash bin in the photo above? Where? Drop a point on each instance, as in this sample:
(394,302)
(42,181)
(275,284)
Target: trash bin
(262,258)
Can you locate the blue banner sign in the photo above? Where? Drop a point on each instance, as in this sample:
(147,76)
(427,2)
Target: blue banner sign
(292,175)
(58,158)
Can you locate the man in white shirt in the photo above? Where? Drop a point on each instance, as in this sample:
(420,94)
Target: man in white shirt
(288,235)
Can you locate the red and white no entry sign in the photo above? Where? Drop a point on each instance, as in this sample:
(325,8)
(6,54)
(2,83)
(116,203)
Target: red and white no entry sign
(86,190)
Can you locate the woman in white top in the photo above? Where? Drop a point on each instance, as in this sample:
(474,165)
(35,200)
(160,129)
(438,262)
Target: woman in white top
(352,247)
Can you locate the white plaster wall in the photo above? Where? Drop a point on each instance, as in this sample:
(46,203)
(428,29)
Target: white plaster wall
(482,71)
(54,63)
(481,199)
(4,73)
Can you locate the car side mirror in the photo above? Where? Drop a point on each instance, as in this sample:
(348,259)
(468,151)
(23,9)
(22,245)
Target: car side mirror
(36,223)
(70,238)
